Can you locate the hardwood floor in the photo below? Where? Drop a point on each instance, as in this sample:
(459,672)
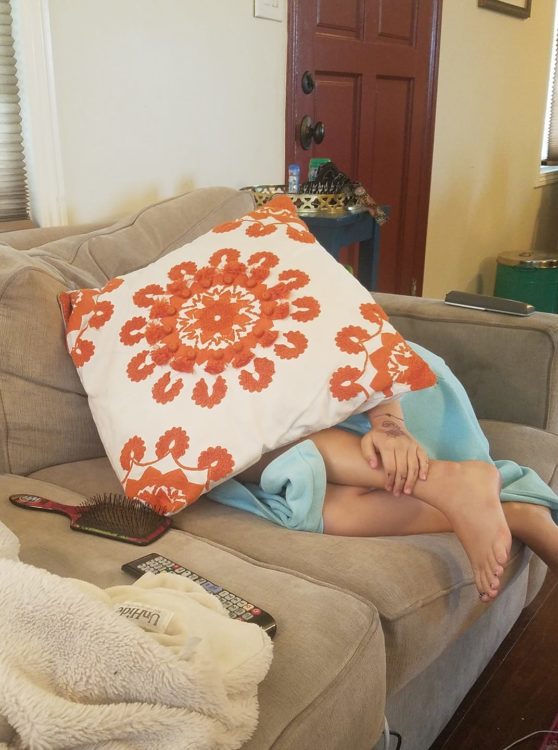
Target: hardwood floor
(518,691)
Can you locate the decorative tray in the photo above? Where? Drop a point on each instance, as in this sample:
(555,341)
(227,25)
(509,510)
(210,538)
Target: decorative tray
(306,204)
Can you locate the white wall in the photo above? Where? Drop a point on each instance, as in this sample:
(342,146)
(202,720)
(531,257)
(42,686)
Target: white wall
(492,86)
(154,97)
(159,96)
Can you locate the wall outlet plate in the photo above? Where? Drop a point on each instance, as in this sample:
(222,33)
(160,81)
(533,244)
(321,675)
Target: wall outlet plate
(273,10)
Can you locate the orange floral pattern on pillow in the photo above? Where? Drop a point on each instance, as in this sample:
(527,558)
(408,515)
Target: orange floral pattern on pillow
(83,310)
(391,362)
(265,221)
(217,318)
(167,482)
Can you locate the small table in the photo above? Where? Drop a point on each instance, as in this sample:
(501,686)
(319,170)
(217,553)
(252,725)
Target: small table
(337,230)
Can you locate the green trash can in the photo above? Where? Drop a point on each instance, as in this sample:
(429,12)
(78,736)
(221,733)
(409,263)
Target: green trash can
(528,277)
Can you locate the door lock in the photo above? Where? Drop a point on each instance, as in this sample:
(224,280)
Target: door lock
(311,131)
(308,84)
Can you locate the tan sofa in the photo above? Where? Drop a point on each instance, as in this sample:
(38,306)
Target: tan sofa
(366,627)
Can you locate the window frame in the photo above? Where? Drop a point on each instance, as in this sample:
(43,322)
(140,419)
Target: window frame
(41,133)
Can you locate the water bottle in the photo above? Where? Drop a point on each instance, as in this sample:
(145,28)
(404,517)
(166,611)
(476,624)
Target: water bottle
(293,182)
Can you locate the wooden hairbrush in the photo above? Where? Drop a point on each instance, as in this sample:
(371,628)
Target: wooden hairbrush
(110,515)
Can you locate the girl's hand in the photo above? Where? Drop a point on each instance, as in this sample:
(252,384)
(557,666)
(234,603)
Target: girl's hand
(403,459)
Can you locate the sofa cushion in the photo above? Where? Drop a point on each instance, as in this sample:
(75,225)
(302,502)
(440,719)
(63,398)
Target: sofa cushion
(511,369)
(421,585)
(43,408)
(227,348)
(309,689)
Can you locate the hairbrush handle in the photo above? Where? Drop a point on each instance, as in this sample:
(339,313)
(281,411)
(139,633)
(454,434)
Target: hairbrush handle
(41,503)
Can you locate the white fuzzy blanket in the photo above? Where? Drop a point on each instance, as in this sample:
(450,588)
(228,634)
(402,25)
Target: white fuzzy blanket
(76,672)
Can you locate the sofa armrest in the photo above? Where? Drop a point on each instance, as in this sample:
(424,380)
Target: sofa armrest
(527,446)
(507,364)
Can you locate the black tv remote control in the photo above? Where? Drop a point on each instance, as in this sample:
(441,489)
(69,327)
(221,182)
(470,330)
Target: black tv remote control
(490,304)
(237,607)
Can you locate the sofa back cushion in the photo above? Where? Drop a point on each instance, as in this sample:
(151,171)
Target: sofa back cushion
(510,370)
(44,415)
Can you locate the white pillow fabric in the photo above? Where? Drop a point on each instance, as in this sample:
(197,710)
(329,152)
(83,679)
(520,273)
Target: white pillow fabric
(244,340)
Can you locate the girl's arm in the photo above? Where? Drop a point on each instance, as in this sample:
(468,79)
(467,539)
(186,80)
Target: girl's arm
(402,457)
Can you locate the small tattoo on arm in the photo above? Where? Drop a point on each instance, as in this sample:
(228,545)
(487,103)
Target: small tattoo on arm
(391,428)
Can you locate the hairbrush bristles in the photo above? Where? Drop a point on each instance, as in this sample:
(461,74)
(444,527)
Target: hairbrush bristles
(127,518)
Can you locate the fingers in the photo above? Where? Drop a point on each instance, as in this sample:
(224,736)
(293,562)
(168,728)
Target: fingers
(369,451)
(417,468)
(423,463)
(390,468)
(411,466)
(403,460)
(404,474)
(403,470)
(378,449)
(412,476)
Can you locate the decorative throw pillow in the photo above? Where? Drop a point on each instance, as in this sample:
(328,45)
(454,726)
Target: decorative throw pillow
(244,340)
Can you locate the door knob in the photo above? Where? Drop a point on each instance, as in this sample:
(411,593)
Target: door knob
(311,131)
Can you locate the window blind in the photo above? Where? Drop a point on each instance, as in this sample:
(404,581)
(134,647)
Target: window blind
(14,200)
(552,115)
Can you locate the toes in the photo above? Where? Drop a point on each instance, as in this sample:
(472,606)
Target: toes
(494,582)
(488,596)
(487,583)
(502,552)
(494,565)
(483,585)
(493,578)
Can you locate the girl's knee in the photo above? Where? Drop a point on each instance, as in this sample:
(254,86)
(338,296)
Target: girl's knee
(456,470)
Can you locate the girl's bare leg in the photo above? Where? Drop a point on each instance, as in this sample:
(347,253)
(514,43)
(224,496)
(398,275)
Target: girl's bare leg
(534,526)
(352,511)
(466,493)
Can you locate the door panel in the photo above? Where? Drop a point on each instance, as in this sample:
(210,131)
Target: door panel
(336,92)
(391,158)
(342,19)
(397,21)
(375,64)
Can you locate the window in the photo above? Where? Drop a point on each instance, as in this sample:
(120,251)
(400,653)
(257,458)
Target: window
(550,141)
(14,201)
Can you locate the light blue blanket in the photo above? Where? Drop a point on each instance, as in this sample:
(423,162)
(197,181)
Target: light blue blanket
(292,487)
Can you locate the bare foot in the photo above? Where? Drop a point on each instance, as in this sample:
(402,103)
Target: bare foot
(472,504)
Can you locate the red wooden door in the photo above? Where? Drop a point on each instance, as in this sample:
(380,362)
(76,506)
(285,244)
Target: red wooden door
(374,64)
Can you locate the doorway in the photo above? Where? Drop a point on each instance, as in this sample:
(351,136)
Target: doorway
(364,72)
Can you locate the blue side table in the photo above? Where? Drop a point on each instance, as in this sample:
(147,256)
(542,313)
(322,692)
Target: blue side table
(338,230)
